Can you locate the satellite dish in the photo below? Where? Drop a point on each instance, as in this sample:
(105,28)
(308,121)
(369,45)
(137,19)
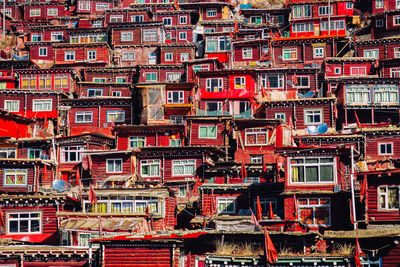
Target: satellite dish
(58,185)
(323,128)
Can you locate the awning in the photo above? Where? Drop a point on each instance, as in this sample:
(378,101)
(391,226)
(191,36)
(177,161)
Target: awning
(118,178)
(110,224)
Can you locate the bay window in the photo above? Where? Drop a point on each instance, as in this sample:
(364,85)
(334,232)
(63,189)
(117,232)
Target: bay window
(312,170)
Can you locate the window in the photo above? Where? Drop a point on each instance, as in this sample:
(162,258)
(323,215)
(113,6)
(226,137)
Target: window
(396,20)
(319,52)
(150,168)
(115,116)
(358,71)
(28,82)
(175,97)
(302,11)
(151,76)
(36,37)
(184,57)
(45,81)
(137,141)
(34,12)
(264,202)
(240,83)
(116,18)
(175,142)
(289,54)
(137,18)
(182,36)
(176,119)
(197,68)
(121,80)
(312,116)
(173,76)
(397,4)
(183,20)
(52,12)
(397,52)
(371,53)
(312,170)
(71,153)
(337,70)
(102,6)
(61,81)
(256,159)
(167,21)
(24,222)
(128,56)
(183,167)
(385,148)
(97,24)
(15,177)
(378,3)
(150,35)
(42,105)
(323,10)
(213,108)
(255,19)
(91,54)
(256,136)
(169,56)
(209,30)
(335,25)
(114,165)
(379,23)
(8,153)
(8,12)
(84,5)
(247,53)
(314,211)
(386,94)
(92,92)
(226,205)
(272,80)
(211,12)
(214,84)
(208,131)
(349,5)
(69,55)
(388,197)
(142,205)
(217,44)
(281,116)
(57,36)
(358,94)
(126,36)
(34,153)
(99,80)
(83,116)
(116,93)
(303,81)
(11,105)
(394,72)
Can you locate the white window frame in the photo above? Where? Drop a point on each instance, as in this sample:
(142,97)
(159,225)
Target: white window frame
(128,56)
(32,152)
(126,36)
(167,21)
(256,132)
(394,72)
(169,56)
(150,163)
(211,12)
(55,35)
(302,77)
(313,206)
(239,82)
(384,146)
(256,158)
(116,18)
(396,20)
(137,18)
(69,56)
(303,27)
(314,111)
(67,151)
(386,196)
(137,140)
(247,53)
(150,35)
(317,164)
(358,71)
(170,97)
(29,219)
(114,165)
(319,52)
(34,12)
(290,51)
(184,57)
(323,10)
(36,102)
(219,87)
(117,113)
(280,80)
(173,76)
(52,10)
(91,55)
(281,116)
(378,3)
(151,75)
(36,36)
(95,92)
(396,52)
(182,36)
(84,5)
(183,20)
(337,70)
(184,164)
(14,105)
(227,201)
(102,6)
(208,135)
(84,115)
(379,23)
(14,172)
(375,53)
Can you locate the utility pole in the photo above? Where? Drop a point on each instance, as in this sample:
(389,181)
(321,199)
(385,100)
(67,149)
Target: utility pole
(329,17)
(353,203)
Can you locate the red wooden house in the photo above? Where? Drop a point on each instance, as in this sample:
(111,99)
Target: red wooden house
(174,17)
(103,89)
(14,125)
(161,73)
(150,33)
(201,64)
(98,114)
(36,11)
(250,52)
(13,10)
(223,25)
(302,113)
(31,218)
(385,18)
(133,55)
(154,6)
(218,45)
(316,189)
(117,15)
(206,10)
(312,18)
(208,130)
(107,75)
(271,15)
(227,92)
(70,152)
(179,34)
(93,6)
(176,53)
(86,35)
